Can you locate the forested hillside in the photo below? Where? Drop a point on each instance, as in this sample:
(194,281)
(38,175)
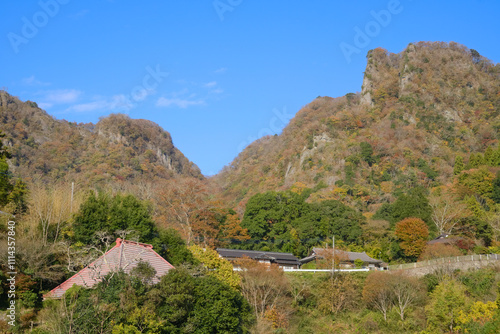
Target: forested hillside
(413,156)
(116,149)
(418,111)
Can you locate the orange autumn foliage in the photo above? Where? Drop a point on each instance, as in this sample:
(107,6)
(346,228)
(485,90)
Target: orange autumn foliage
(412,233)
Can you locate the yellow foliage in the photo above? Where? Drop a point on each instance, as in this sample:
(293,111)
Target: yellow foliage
(479,312)
(386,186)
(298,187)
(219,267)
(368,215)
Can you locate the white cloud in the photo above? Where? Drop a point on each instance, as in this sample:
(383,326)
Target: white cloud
(90,106)
(102,103)
(44,105)
(61,96)
(220,70)
(32,81)
(181,103)
(211,84)
(217,91)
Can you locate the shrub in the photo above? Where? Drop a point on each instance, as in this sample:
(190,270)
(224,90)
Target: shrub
(437,251)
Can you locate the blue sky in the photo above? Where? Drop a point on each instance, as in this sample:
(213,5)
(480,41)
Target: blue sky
(215,74)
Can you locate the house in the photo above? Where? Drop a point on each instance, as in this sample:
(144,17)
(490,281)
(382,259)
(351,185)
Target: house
(345,258)
(125,255)
(283,260)
(443,239)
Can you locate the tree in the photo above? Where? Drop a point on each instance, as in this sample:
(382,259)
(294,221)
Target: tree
(408,291)
(412,233)
(437,251)
(144,271)
(367,153)
(412,204)
(447,211)
(337,293)
(215,226)
(493,219)
(173,298)
(173,248)
(103,213)
(199,304)
(18,196)
(231,231)
(10,193)
(182,201)
(262,285)
(50,210)
(446,302)
(336,218)
(285,222)
(218,308)
(219,268)
(476,316)
(268,214)
(377,292)
(495,194)
(476,57)
(459,165)
(476,181)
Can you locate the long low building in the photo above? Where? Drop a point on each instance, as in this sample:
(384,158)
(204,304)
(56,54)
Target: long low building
(283,260)
(345,258)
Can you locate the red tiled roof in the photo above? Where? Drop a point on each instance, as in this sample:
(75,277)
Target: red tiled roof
(125,255)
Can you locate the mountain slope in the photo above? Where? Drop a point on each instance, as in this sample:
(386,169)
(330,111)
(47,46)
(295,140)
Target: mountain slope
(416,112)
(116,148)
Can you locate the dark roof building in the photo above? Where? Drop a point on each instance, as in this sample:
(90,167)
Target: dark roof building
(284,260)
(125,255)
(320,253)
(444,239)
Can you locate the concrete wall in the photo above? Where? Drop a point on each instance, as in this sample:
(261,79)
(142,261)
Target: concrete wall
(450,267)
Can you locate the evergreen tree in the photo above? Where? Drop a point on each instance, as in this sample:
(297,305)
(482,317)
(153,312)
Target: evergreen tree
(367,153)
(412,204)
(10,193)
(5,185)
(103,213)
(495,158)
(459,165)
(495,194)
(488,156)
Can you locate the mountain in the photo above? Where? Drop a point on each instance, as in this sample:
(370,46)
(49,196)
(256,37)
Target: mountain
(117,148)
(416,112)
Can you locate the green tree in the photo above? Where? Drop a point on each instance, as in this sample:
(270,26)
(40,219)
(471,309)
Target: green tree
(285,222)
(173,248)
(412,204)
(367,153)
(477,181)
(219,268)
(5,185)
(218,309)
(495,193)
(174,299)
(459,165)
(489,156)
(103,213)
(446,302)
(268,214)
(201,304)
(332,217)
